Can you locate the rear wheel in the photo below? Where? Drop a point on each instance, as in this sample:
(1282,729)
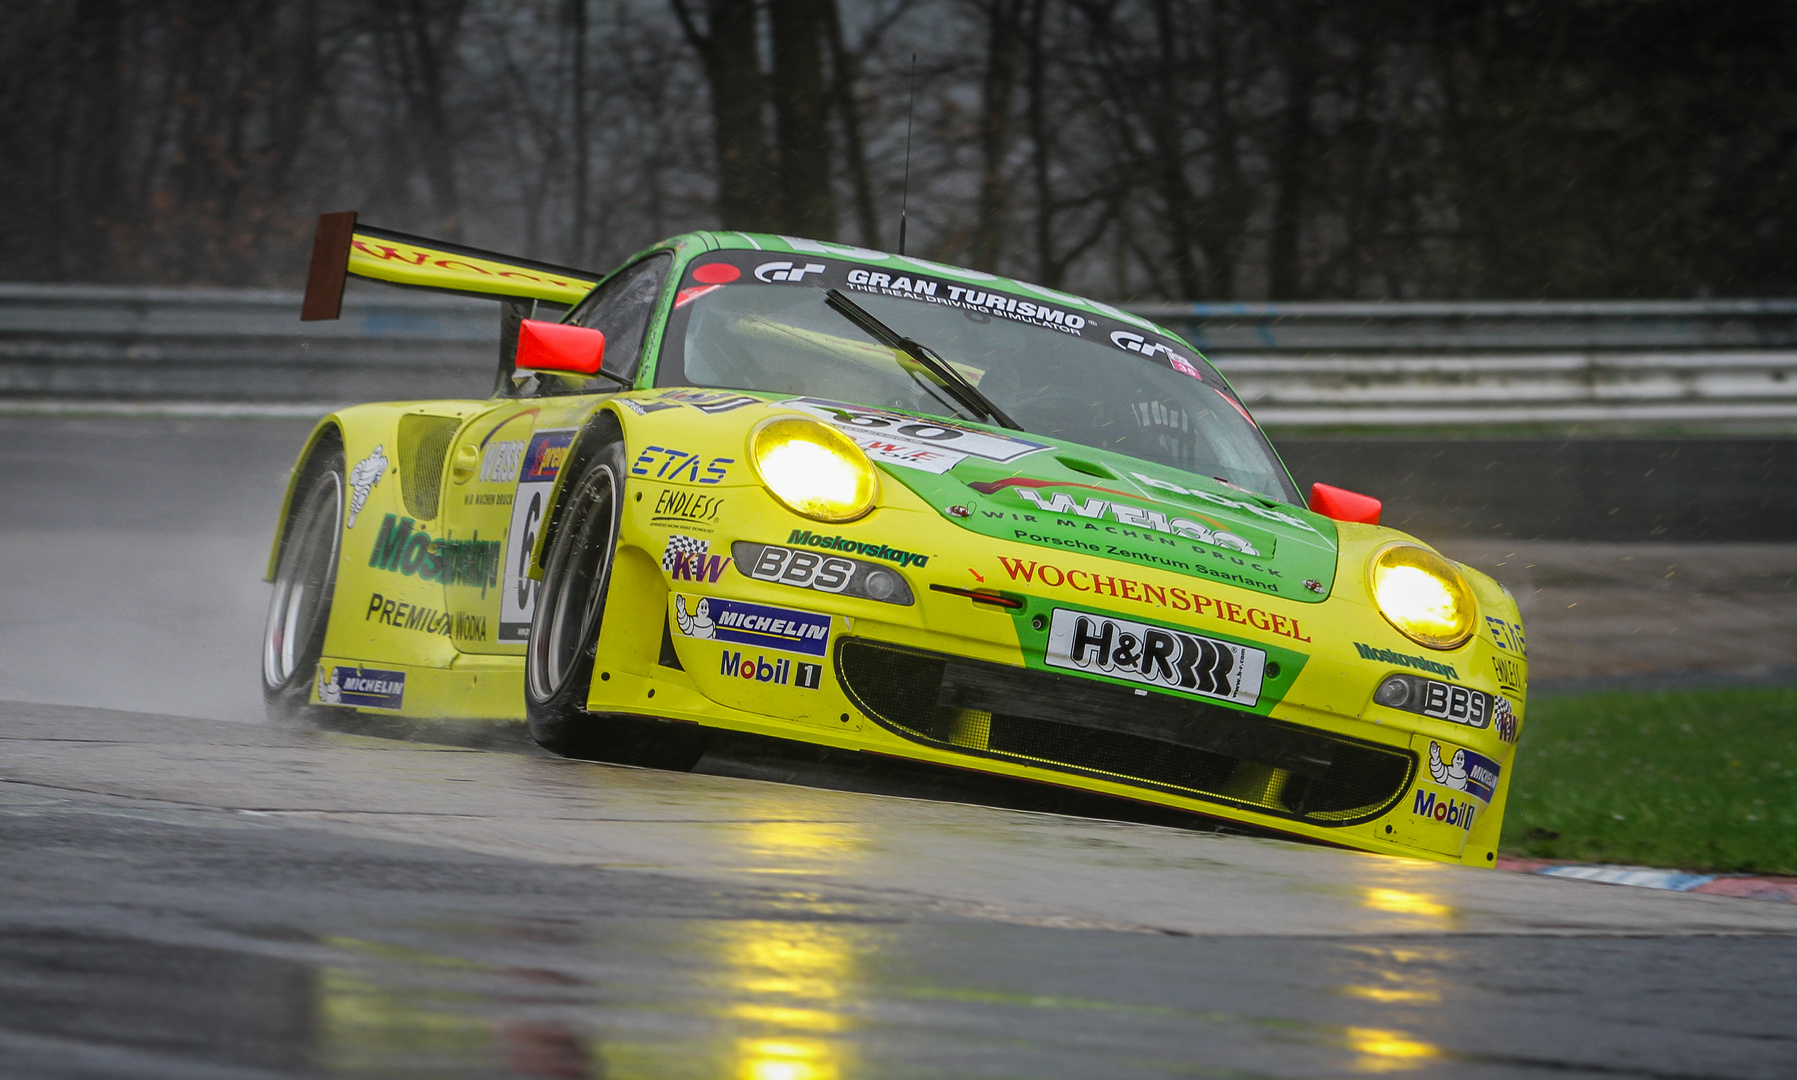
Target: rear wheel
(305,578)
(564,635)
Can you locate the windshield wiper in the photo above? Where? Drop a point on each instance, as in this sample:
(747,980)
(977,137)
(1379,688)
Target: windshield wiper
(952,381)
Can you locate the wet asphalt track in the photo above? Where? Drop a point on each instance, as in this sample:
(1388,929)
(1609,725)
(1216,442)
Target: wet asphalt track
(199,898)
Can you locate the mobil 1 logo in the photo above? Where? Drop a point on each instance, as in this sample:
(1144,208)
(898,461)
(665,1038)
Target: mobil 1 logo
(1158,656)
(541,463)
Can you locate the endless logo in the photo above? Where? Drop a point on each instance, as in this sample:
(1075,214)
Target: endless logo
(1155,655)
(759,669)
(403,550)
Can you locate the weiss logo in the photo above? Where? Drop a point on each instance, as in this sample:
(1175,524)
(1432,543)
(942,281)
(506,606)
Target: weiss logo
(1136,343)
(1060,502)
(785,271)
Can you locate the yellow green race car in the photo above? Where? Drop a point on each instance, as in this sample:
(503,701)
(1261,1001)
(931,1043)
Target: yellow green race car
(866,501)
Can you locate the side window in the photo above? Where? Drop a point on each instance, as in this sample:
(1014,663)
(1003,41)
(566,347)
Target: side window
(621,308)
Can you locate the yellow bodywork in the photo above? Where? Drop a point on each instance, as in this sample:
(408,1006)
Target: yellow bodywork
(691,482)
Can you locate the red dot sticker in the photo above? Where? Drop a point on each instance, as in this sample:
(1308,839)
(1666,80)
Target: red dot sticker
(716,273)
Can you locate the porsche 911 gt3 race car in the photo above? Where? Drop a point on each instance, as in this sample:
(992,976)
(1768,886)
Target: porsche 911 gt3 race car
(875,503)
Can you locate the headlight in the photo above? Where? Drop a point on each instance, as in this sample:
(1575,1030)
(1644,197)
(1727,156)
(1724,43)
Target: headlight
(1422,594)
(814,469)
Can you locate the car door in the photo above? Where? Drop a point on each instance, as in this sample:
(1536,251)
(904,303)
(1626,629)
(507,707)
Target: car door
(507,460)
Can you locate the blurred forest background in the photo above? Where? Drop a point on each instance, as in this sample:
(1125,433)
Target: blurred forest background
(1131,149)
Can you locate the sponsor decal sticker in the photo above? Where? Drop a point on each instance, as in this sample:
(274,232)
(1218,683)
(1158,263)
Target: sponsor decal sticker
(1158,656)
(1508,635)
(665,464)
(1214,499)
(806,538)
(764,626)
(825,573)
(1420,663)
(771,272)
(688,509)
(710,401)
(1508,672)
(542,462)
(689,558)
(365,688)
(1141,592)
(1436,700)
(913,443)
(500,461)
(363,475)
(1443,808)
(1090,509)
(779,671)
(1464,770)
(403,549)
(459,625)
(644,408)
(1503,718)
(953,295)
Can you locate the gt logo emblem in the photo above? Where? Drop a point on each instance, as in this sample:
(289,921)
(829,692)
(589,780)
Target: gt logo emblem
(785,271)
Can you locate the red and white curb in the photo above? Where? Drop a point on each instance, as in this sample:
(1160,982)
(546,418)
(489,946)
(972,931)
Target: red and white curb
(1645,877)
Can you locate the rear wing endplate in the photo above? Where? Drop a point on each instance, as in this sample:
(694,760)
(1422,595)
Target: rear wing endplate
(342,247)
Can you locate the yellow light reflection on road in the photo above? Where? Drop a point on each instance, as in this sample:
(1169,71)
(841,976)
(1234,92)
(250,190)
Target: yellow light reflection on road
(801,847)
(1404,902)
(1389,1051)
(787,1059)
(1392,994)
(792,986)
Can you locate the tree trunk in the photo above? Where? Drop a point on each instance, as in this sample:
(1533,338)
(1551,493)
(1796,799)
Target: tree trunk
(730,49)
(574,14)
(847,71)
(801,117)
(1296,29)
(1003,31)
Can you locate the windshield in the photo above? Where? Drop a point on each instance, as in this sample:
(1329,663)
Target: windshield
(1071,376)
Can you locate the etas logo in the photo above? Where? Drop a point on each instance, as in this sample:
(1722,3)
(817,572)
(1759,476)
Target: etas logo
(784,271)
(780,672)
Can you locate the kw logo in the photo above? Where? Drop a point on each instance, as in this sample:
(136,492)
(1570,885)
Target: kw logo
(699,567)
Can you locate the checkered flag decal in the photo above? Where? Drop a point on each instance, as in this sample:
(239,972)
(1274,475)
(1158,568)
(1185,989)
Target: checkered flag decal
(681,548)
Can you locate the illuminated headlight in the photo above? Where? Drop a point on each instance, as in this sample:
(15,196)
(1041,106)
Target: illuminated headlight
(1422,594)
(813,469)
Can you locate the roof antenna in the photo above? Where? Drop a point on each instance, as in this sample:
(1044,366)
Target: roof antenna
(905,192)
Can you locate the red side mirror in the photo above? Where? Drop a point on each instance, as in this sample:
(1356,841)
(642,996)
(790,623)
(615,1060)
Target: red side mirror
(547,346)
(1344,505)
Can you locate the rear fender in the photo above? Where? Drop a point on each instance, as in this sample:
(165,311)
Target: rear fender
(329,426)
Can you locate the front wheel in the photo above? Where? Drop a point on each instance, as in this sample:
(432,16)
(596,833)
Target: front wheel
(564,634)
(305,579)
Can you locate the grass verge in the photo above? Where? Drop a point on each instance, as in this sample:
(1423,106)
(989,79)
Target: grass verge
(1696,779)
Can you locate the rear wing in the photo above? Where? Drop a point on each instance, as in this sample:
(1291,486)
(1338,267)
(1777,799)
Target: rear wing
(342,247)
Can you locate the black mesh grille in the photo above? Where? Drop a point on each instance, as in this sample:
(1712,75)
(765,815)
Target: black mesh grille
(996,710)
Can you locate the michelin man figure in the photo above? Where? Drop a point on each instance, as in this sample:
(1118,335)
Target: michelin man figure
(363,475)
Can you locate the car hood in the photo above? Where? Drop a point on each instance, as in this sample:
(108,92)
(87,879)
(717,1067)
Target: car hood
(1075,499)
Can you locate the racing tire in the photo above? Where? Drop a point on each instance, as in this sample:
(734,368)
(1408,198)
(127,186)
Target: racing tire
(305,582)
(564,635)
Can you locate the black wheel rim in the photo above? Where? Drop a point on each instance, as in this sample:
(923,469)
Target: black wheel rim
(565,626)
(302,597)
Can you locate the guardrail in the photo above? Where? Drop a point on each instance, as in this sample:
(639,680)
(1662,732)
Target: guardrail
(1334,364)
(1404,364)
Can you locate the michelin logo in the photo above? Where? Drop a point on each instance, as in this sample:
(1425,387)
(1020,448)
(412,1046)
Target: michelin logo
(363,475)
(1473,773)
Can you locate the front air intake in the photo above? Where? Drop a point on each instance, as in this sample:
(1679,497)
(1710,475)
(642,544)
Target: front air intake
(1080,725)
